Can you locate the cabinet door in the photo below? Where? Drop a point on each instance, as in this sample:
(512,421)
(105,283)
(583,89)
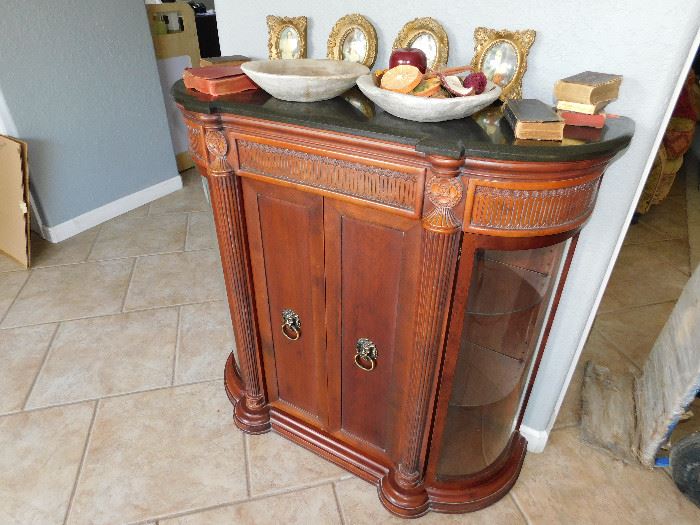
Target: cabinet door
(372,261)
(285,231)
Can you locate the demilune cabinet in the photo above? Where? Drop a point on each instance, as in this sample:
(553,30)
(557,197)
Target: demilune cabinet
(391,305)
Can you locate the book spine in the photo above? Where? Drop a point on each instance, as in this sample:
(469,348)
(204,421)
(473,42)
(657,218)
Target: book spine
(510,117)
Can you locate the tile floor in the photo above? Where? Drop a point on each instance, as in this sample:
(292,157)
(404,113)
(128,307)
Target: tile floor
(113,411)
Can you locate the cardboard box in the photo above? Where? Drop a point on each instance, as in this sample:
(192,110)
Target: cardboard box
(14,200)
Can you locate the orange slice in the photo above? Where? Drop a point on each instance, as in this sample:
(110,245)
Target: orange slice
(402,79)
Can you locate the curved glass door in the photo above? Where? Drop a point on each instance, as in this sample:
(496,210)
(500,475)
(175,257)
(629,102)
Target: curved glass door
(509,297)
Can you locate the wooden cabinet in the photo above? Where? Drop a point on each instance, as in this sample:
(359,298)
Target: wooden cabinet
(391,305)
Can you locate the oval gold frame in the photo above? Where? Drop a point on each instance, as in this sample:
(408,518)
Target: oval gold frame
(485,38)
(417,27)
(340,31)
(275,25)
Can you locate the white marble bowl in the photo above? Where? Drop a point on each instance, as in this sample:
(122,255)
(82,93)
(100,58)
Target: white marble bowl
(304,79)
(426,109)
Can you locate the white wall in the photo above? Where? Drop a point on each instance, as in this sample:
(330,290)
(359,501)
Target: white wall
(80,85)
(647,42)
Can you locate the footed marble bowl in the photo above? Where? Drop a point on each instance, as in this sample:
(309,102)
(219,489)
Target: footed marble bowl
(426,109)
(304,79)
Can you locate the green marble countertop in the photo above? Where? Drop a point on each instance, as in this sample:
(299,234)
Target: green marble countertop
(484,135)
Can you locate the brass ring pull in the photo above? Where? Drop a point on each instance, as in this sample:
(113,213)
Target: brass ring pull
(366,352)
(291,324)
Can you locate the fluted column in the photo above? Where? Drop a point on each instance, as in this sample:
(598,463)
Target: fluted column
(403,489)
(250,410)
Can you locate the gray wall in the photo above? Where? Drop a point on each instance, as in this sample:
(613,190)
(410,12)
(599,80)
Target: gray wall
(645,41)
(79,80)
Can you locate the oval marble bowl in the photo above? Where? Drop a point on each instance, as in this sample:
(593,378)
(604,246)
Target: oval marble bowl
(426,109)
(304,79)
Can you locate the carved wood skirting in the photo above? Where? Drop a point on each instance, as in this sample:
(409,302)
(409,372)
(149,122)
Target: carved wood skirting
(194,136)
(383,186)
(499,211)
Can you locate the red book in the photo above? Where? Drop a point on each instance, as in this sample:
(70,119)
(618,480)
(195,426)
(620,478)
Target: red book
(571,118)
(217,80)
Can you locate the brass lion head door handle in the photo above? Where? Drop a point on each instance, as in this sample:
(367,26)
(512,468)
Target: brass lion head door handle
(291,324)
(366,355)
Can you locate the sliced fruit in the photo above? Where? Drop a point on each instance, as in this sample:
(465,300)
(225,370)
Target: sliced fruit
(442,93)
(401,79)
(453,84)
(377,76)
(427,88)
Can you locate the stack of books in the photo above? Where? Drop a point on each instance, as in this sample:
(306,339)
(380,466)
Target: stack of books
(581,99)
(532,119)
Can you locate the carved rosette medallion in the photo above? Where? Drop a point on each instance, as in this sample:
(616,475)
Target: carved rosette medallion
(445,193)
(218,148)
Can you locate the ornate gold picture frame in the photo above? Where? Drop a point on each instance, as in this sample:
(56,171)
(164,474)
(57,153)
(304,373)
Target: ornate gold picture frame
(502,57)
(286,37)
(428,35)
(353,38)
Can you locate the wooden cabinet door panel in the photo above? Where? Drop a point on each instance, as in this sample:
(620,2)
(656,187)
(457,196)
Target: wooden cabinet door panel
(285,229)
(371,273)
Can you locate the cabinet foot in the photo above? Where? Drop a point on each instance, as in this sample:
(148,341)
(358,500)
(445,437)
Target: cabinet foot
(254,420)
(408,502)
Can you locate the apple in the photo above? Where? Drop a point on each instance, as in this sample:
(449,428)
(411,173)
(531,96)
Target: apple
(411,56)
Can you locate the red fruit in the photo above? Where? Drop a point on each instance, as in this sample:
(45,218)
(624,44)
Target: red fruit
(411,56)
(477,81)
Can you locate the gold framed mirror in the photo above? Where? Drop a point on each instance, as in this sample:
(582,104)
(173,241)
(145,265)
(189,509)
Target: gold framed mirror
(286,37)
(502,56)
(353,38)
(428,35)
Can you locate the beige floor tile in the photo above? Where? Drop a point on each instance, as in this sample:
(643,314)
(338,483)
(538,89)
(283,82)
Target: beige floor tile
(668,218)
(130,236)
(7,264)
(201,234)
(305,507)
(360,505)
(641,278)
(602,352)
(10,285)
(141,211)
(160,453)
(70,251)
(103,356)
(633,331)
(640,233)
(277,464)
(40,453)
(176,278)
(70,292)
(675,252)
(189,199)
(205,342)
(22,351)
(573,483)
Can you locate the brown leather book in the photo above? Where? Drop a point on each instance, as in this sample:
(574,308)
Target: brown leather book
(533,119)
(217,80)
(588,87)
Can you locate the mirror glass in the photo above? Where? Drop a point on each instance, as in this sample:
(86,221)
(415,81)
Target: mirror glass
(289,43)
(354,46)
(500,63)
(426,43)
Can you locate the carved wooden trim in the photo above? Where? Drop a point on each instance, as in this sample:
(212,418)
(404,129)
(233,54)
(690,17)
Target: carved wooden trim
(227,204)
(194,136)
(380,185)
(498,210)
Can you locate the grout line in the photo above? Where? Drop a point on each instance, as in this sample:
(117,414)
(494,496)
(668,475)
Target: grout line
(178,329)
(337,504)
(519,507)
(147,309)
(41,366)
(14,299)
(620,351)
(187,232)
(634,307)
(564,426)
(128,284)
(82,462)
(246,459)
(94,242)
(110,396)
(230,503)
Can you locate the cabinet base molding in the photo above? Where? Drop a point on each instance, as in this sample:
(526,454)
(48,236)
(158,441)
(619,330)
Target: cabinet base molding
(412,502)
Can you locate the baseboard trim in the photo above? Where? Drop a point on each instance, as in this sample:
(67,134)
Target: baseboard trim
(536,439)
(92,218)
